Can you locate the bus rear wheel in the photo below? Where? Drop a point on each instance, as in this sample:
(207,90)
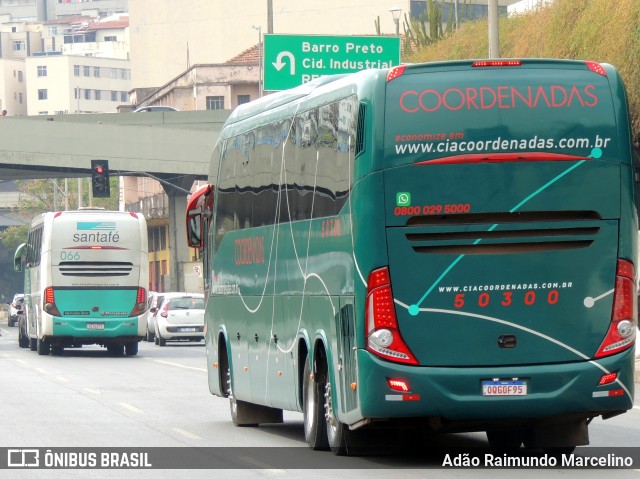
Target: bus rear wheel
(315,431)
(131,349)
(43,347)
(115,349)
(505,440)
(23,340)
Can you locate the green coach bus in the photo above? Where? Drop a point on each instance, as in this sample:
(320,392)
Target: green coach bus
(447,246)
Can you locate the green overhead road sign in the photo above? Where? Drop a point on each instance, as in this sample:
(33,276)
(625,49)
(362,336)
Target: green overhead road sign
(291,60)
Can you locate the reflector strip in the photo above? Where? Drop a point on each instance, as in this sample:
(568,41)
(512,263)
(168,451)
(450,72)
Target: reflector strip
(501,158)
(601,394)
(402,397)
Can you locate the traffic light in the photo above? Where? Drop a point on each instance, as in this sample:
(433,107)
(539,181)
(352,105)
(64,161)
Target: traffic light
(100,178)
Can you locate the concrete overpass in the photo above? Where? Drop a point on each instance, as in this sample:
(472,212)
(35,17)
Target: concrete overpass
(174,147)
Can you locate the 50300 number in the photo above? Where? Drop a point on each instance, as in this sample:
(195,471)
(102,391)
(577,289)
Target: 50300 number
(506,299)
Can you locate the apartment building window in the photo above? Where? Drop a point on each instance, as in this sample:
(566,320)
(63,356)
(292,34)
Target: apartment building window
(42,94)
(87,94)
(42,70)
(215,103)
(96,94)
(96,72)
(20,98)
(114,95)
(242,99)
(114,73)
(18,45)
(123,74)
(123,96)
(20,76)
(110,38)
(76,70)
(87,71)
(53,30)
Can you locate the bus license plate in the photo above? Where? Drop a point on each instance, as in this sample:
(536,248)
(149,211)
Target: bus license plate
(188,330)
(95,325)
(504,388)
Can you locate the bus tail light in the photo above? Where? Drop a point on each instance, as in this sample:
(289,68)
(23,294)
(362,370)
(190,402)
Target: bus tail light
(395,72)
(383,337)
(141,303)
(622,329)
(49,304)
(496,63)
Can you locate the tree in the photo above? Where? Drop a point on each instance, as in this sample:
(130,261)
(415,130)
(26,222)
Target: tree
(14,236)
(42,195)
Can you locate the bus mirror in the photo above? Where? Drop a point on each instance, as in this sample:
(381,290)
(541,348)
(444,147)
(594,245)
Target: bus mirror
(17,257)
(194,237)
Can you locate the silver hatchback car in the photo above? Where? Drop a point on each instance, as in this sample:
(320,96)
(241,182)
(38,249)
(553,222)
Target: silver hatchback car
(180,317)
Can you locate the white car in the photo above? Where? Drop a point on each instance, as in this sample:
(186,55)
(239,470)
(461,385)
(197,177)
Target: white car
(180,317)
(155,299)
(14,306)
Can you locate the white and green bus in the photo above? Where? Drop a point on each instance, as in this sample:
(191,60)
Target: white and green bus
(86,275)
(445,246)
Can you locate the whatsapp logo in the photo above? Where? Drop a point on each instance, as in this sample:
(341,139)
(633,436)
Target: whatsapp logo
(403,199)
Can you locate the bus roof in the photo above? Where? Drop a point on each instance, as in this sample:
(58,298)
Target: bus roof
(269,102)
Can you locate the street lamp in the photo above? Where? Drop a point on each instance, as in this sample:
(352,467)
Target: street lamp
(395,13)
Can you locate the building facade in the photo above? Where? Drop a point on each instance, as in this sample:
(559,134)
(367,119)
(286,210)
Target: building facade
(43,10)
(166,40)
(60,84)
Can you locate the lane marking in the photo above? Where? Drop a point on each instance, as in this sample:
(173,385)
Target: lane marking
(62,379)
(131,408)
(186,433)
(179,365)
(92,391)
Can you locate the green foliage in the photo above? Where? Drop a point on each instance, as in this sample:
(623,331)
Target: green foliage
(600,30)
(14,236)
(42,195)
(428,27)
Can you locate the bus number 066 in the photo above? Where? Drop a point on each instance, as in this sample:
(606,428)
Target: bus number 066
(507,299)
(69,255)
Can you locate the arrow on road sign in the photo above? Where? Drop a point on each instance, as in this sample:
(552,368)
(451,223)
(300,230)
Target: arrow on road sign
(279,64)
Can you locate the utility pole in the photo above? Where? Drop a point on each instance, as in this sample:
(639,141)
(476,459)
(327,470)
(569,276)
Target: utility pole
(269,16)
(494,42)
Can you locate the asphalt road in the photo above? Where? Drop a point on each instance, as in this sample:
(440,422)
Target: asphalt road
(159,399)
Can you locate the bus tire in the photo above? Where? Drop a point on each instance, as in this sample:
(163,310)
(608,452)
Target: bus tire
(23,341)
(115,349)
(505,440)
(33,344)
(43,347)
(246,414)
(131,349)
(161,341)
(315,432)
(337,432)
